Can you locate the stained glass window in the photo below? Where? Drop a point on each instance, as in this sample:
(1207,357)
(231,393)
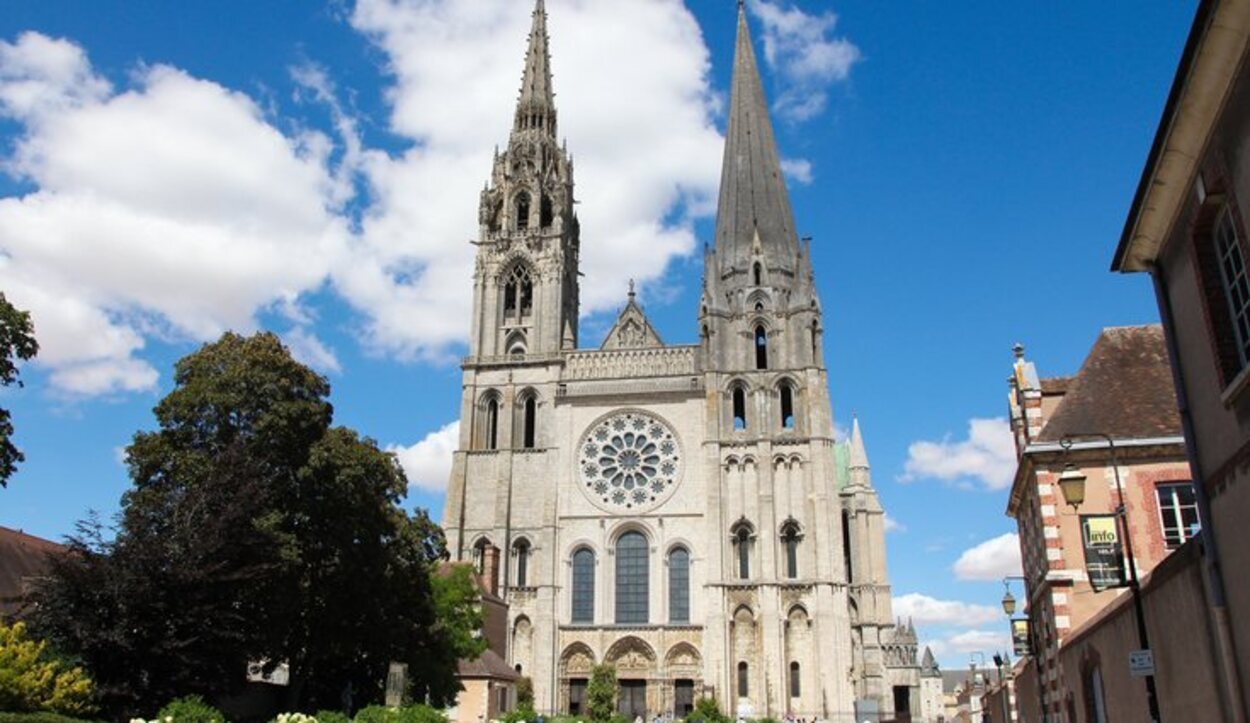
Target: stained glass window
(631,578)
(583,586)
(679,586)
(630,461)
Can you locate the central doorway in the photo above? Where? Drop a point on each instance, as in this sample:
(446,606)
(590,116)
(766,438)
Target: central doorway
(683,697)
(632,700)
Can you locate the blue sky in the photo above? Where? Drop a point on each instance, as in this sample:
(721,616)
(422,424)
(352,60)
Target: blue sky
(176,169)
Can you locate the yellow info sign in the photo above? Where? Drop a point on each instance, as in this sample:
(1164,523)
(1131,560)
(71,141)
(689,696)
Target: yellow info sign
(1101,531)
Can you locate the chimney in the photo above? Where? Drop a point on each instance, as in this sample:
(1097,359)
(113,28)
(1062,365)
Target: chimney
(490,569)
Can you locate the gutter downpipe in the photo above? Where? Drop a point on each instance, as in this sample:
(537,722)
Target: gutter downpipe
(1230,677)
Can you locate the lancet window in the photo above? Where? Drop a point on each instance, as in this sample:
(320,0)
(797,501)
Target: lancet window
(518,293)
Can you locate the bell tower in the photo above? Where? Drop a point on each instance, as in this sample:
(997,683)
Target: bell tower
(525,279)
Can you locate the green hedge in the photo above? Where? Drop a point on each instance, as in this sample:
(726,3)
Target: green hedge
(37,718)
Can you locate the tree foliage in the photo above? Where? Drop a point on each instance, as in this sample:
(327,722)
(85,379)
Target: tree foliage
(17,342)
(601,693)
(254,531)
(32,679)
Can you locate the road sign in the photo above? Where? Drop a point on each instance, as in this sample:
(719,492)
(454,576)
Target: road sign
(1141,663)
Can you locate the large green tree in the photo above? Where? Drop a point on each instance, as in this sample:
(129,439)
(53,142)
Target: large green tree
(17,342)
(254,531)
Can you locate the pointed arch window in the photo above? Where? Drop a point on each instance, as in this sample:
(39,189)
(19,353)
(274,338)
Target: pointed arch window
(848,558)
(530,423)
(815,338)
(583,586)
(521,550)
(547,213)
(761,348)
(790,539)
(518,292)
(740,408)
(488,422)
(786,392)
(479,555)
(679,585)
(744,677)
(757,271)
(631,578)
(796,689)
(742,538)
(522,211)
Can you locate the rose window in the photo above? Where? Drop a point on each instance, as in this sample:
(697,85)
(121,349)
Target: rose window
(629,460)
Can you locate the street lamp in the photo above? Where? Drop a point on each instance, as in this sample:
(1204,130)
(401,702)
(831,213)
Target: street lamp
(1072,485)
(1009,607)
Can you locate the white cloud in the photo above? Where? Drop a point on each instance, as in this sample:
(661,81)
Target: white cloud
(798,170)
(988,454)
(428,462)
(640,126)
(982,641)
(925,610)
(799,45)
(308,349)
(169,210)
(993,559)
(893,525)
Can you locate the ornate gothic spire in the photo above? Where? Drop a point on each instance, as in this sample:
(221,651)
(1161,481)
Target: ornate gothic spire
(536,107)
(753,197)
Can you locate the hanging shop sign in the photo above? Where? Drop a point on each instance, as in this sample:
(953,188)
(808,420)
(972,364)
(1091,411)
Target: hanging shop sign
(1020,637)
(1104,555)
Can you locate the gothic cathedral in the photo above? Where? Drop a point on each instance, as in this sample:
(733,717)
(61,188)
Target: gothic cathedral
(683,512)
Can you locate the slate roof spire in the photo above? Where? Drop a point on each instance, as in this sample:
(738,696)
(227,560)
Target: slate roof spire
(859,455)
(536,106)
(753,198)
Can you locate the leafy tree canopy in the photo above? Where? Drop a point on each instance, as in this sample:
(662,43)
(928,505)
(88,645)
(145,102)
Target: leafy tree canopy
(601,693)
(255,531)
(17,342)
(32,679)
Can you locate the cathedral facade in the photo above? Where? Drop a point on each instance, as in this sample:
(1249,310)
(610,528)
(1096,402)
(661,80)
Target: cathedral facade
(681,511)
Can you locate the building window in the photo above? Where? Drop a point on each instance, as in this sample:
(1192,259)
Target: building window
(847,557)
(1179,511)
(758,272)
(518,293)
(743,676)
(790,542)
(787,406)
(522,211)
(1096,702)
(521,548)
(1232,264)
(742,550)
(526,425)
(547,214)
(761,348)
(479,555)
(679,586)
(740,408)
(583,586)
(490,424)
(796,688)
(631,578)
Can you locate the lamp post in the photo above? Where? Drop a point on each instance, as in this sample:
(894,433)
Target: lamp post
(1072,485)
(1009,607)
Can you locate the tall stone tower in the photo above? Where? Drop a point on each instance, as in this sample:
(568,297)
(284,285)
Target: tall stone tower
(680,511)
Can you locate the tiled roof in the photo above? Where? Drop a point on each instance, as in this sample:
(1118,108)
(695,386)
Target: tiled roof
(1056,385)
(1124,389)
(488,665)
(22,557)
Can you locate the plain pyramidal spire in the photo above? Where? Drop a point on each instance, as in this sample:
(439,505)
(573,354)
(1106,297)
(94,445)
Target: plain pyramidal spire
(753,196)
(859,455)
(536,107)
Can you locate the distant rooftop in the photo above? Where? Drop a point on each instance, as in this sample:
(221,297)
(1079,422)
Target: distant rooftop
(23,557)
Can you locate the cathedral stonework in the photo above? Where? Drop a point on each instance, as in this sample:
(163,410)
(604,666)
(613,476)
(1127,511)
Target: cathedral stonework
(682,512)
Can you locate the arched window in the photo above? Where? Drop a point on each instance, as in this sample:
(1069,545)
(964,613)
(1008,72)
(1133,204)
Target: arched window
(796,688)
(847,557)
(742,549)
(740,408)
(479,555)
(518,292)
(758,272)
(744,689)
(583,586)
(761,348)
(787,405)
(530,421)
(547,215)
(631,578)
(522,211)
(815,334)
(488,421)
(521,549)
(679,585)
(790,539)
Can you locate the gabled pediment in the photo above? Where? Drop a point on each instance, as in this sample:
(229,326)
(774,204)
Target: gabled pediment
(632,330)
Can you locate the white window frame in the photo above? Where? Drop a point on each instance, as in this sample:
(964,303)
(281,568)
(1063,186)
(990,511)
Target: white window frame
(1230,258)
(1171,488)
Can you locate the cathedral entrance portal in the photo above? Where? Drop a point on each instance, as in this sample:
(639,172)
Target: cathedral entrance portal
(631,699)
(683,697)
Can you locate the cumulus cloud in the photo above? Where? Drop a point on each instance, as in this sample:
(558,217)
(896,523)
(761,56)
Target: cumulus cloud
(926,610)
(172,209)
(640,125)
(800,47)
(798,170)
(972,641)
(993,559)
(428,462)
(893,525)
(988,454)
(308,349)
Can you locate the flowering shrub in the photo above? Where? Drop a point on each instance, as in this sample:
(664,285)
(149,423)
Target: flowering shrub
(294,718)
(188,709)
